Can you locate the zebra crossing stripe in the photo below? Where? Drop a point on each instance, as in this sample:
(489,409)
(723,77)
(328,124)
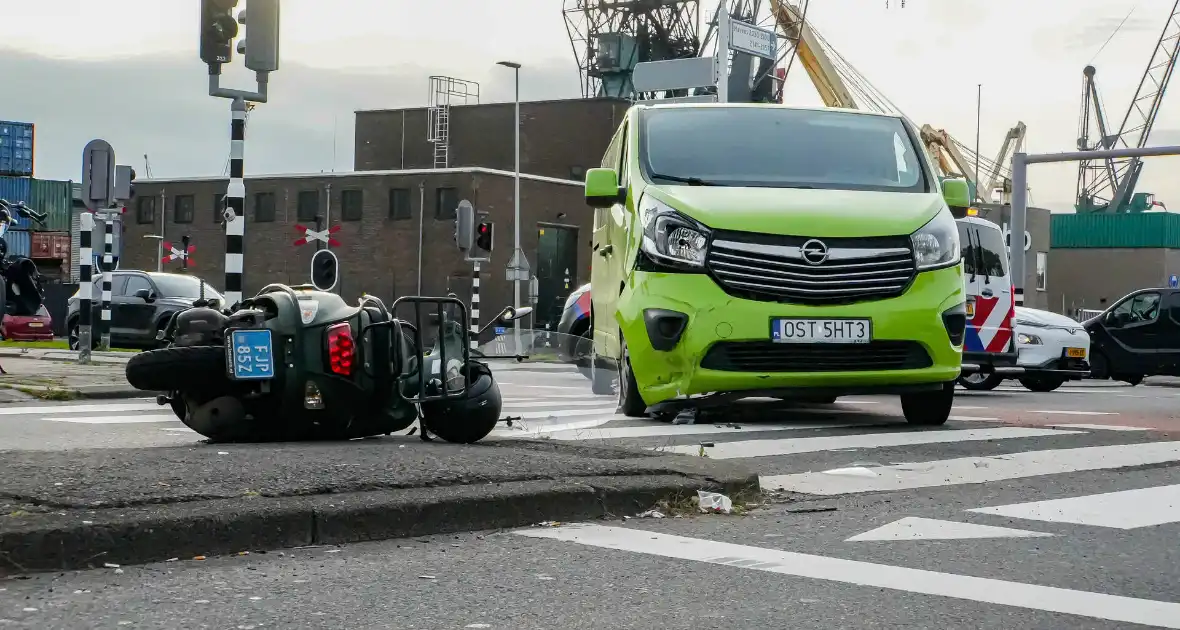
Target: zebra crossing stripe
(767,448)
(869,574)
(976,470)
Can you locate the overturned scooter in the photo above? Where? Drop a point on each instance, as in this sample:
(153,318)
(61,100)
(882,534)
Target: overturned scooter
(294,363)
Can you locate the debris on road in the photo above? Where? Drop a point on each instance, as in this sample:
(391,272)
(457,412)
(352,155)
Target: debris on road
(812,509)
(714,502)
(651,514)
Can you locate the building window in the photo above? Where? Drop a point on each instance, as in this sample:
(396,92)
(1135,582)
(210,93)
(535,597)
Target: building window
(351,204)
(399,204)
(308,205)
(219,203)
(446,201)
(182,209)
(1042,270)
(145,210)
(264,207)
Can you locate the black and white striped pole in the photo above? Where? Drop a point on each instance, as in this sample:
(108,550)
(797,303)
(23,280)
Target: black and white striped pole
(260,50)
(235,194)
(108,266)
(475,305)
(85,286)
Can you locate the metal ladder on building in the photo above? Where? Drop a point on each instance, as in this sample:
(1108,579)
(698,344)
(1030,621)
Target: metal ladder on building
(445,91)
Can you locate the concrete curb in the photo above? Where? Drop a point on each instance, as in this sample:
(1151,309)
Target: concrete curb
(82,539)
(100,392)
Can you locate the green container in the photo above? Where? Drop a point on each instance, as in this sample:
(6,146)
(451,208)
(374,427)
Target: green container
(54,198)
(1105,231)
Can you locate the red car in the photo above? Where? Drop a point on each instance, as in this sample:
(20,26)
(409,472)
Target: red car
(37,327)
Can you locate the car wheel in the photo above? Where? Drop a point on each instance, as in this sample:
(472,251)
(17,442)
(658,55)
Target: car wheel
(1132,380)
(582,352)
(929,409)
(630,402)
(980,382)
(1042,383)
(1099,366)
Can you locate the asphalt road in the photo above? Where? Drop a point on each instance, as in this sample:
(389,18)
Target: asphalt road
(1026,510)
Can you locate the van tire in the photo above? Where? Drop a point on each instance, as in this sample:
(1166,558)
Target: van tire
(929,409)
(990,382)
(630,402)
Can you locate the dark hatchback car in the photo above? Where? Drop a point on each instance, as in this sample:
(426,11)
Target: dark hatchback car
(1138,336)
(141,304)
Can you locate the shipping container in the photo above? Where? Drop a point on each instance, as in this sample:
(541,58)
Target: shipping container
(16,148)
(19,243)
(56,199)
(50,245)
(14,189)
(1104,231)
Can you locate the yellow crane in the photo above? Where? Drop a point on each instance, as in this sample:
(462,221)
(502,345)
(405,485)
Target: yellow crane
(828,71)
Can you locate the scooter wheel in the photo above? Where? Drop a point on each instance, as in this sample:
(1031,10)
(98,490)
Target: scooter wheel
(167,369)
(466,420)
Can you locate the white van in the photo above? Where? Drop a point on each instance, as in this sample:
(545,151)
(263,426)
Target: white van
(989,349)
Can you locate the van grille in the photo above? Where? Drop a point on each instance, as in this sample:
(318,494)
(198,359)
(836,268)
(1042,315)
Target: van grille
(771,268)
(768,356)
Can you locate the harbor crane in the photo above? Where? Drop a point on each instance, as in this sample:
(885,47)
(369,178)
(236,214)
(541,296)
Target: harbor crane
(1108,185)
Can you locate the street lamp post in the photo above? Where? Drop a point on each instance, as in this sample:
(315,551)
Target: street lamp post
(517,253)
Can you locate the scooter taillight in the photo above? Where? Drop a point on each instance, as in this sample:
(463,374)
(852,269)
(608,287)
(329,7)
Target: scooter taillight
(341,349)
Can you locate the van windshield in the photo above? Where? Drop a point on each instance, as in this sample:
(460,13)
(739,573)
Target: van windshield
(775,147)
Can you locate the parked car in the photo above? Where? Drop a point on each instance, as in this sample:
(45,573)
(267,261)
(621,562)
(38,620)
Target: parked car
(1053,349)
(141,304)
(989,349)
(760,250)
(1138,336)
(574,327)
(36,327)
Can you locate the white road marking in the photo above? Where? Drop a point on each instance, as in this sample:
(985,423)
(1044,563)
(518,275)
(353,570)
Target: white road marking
(974,470)
(561,413)
(136,419)
(663,430)
(963,587)
(1099,427)
(767,448)
(967,407)
(60,409)
(914,528)
(533,403)
(1129,509)
(1071,412)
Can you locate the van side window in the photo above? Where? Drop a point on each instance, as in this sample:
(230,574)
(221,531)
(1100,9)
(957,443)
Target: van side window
(611,158)
(967,243)
(623,156)
(992,254)
(1141,308)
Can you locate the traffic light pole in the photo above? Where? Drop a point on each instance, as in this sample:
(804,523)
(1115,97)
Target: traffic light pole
(475,305)
(235,197)
(85,286)
(108,266)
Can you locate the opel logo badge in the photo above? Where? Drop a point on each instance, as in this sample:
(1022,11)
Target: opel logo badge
(815,252)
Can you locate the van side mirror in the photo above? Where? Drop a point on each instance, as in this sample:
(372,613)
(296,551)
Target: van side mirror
(510,314)
(957,195)
(602,188)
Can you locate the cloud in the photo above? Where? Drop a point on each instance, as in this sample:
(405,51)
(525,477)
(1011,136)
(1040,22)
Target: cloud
(159,105)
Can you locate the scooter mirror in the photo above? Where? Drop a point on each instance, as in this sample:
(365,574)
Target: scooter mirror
(512,314)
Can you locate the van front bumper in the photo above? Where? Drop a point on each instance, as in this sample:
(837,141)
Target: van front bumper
(686,336)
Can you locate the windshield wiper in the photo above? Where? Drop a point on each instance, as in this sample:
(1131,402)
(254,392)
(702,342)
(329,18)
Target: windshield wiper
(691,181)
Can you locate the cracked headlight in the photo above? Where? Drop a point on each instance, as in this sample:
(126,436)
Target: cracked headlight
(936,244)
(669,237)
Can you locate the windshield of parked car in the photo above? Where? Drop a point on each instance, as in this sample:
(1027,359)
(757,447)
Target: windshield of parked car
(776,147)
(183,287)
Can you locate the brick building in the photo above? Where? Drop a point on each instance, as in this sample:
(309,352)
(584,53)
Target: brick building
(396,200)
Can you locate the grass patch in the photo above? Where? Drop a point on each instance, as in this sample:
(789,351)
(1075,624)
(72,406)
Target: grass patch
(685,504)
(56,344)
(49,393)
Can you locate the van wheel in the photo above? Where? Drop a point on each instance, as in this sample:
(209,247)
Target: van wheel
(928,409)
(630,402)
(1099,366)
(1042,383)
(1131,379)
(979,382)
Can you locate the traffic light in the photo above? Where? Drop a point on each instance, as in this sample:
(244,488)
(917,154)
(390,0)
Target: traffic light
(484,236)
(218,30)
(464,225)
(260,49)
(325,270)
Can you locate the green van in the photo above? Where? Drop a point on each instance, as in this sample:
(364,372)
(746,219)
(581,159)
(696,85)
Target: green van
(755,250)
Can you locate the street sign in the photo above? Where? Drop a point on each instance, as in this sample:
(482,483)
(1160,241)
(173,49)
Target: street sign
(98,175)
(750,39)
(672,74)
(310,235)
(1174,282)
(500,330)
(178,253)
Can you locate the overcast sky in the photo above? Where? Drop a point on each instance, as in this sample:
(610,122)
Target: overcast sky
(127,71)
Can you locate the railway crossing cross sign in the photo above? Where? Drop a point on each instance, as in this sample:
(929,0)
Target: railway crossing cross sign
(311,235)
(175,253)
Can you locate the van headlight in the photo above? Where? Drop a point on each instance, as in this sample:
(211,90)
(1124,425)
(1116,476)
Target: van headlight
(671,238)
(936,244)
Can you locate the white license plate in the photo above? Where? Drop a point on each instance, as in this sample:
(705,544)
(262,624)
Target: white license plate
(784,330)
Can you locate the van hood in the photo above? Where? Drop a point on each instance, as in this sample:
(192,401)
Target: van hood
(796,212)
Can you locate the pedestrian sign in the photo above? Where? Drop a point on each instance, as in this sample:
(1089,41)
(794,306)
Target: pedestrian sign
(1174,282)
